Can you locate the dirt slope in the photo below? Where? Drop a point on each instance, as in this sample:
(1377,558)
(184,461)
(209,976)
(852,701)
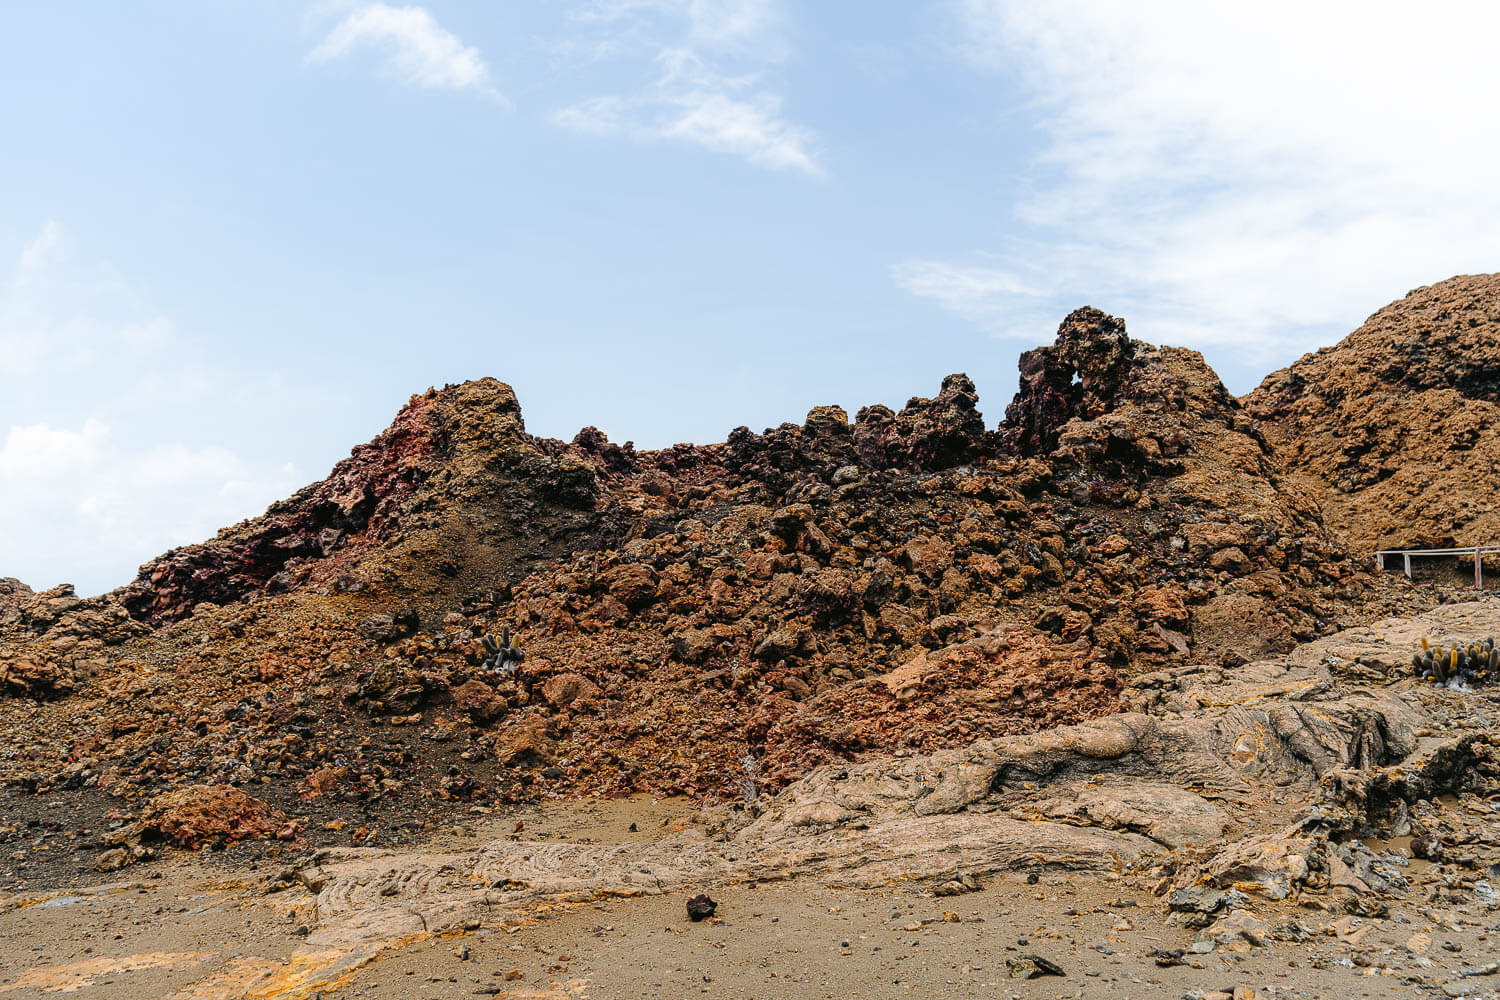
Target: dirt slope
(1396,428)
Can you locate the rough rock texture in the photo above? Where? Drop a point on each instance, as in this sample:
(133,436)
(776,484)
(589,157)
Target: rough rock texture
(1002,682)
(13,594)
(1396,429)
(704,620)
(464,447)
(201,814)
(51,641)
(1235,785)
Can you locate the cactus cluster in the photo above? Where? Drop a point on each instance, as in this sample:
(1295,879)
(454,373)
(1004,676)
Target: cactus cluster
(1472,663)
(503,655)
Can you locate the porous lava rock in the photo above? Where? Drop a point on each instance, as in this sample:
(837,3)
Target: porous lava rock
(446,452)
(701,619)
(1004,682)
(35,676)
(13,595)
(1396,429)
(202,814)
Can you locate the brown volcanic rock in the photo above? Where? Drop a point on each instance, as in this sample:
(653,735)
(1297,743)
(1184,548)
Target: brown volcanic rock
(199,814)
(1004,682)
(1080,374)
(448,451)
(51,641)
(35,676)
(1396,429)
(692,618)
(13,595)
(1154,434)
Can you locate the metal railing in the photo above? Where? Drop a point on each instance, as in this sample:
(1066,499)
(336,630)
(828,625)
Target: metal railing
(1477,551)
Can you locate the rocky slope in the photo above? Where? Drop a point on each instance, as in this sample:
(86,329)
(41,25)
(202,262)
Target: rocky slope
(709,620)
(1396,429)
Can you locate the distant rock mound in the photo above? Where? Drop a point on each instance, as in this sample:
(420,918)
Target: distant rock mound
(464,449)
(1396,429)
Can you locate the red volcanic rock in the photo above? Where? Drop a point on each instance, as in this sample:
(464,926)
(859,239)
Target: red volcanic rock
(1079,375)
(632,584)
(936,433)
(359,502)
(443,449)
(687,620)
(193,816)
(479,701)
(1001,683)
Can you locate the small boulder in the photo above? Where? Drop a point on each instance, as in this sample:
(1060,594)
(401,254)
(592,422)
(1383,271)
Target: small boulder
(524,743)
(200,814)
(480,701)
(701,907)
(564,689)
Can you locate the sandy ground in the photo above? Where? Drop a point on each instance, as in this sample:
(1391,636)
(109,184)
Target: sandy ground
(183,930)
(242,924)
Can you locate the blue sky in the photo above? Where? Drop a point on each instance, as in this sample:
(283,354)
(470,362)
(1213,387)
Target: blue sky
(240,234)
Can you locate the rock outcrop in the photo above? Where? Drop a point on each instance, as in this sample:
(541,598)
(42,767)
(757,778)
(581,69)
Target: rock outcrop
(1248,786)
(1396,429)
(708,620)
(13,596)
(462,451)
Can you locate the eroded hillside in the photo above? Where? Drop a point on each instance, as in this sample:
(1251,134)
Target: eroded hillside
(711,620)
(1396,429)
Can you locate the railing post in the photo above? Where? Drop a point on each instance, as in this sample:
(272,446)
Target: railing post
(1406,557)
(1478,570)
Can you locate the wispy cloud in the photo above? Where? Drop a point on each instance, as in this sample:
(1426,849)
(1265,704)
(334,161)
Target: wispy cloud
(108,503)
(980,293)
(417,49)
(38,254)
(99,497)
(706,83)
(1249,175)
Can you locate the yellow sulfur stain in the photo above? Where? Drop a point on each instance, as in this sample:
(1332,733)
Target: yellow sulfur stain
(279,979)
(1249,747)
(79,975)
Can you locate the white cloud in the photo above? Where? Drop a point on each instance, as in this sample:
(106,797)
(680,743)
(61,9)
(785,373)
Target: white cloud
(418,50)
(93,504)
(37,255)
(65,318)
(87,497)
(730,23)
(979,293)
(1250,175)
(692,97)
(44,453)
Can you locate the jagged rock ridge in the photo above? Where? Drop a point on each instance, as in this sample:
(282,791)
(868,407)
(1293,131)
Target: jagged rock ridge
(701,619)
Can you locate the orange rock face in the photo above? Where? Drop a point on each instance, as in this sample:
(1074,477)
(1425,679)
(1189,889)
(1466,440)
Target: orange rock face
(1396,429)
(199,814)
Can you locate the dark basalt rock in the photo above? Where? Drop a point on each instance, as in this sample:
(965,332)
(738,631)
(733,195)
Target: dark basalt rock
(1080,375)
(700,907)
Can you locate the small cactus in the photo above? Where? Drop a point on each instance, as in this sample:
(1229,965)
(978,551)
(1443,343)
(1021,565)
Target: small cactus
(1470,664)
(503,656)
